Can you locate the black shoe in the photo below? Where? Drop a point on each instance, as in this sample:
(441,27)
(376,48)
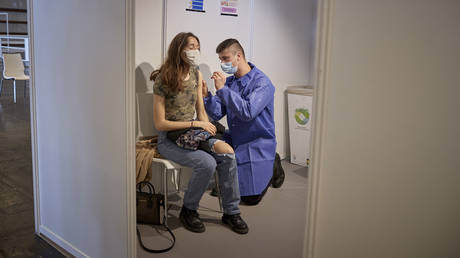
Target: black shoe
(236,223)
(191,220)
(214,192)
(251,200)
(278,173)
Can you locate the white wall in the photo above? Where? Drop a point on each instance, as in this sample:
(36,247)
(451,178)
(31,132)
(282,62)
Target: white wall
(281,33)
(148,27)
(81,123)
(148,19)
(211,28)
(283,49)
(389,178)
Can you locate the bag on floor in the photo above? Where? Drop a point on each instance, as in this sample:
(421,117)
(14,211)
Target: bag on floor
(149,208)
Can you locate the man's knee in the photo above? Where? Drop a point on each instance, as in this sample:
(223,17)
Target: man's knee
(221,147)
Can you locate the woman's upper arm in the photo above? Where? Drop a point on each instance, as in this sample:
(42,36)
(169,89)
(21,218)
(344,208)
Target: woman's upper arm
(158,111)
(200,110)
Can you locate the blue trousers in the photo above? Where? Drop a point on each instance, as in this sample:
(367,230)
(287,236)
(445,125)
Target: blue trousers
(204,166)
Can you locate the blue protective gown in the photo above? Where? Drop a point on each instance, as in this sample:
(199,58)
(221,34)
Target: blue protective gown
(248,104)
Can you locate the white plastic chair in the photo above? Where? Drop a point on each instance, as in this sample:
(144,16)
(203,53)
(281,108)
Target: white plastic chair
(13,69)
(168,165)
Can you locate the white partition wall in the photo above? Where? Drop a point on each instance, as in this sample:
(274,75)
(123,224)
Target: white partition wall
(278,37)
(386,167)
(283,38)
(82,134)
(148,26)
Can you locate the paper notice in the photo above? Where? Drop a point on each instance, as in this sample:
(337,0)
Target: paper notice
(229,7)
(195,6)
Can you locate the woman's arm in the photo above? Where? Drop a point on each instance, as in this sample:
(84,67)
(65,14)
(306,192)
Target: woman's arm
(199,106)
(161,124)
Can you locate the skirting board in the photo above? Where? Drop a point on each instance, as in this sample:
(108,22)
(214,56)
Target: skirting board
(60,244)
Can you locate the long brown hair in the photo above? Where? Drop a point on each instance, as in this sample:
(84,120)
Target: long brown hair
(177,65)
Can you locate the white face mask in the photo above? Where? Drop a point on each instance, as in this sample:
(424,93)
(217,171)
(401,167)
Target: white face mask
(193,56)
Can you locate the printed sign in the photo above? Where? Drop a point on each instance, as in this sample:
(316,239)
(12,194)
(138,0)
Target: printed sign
(229,7)
(195,6)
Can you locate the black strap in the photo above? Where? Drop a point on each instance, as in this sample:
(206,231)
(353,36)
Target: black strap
(140,185)
(153,250)
(152,191)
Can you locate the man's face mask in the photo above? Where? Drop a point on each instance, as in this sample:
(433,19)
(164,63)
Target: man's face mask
(193,56)
(229,68)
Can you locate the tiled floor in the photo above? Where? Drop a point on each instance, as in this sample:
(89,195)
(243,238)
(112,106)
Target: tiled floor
(17,238)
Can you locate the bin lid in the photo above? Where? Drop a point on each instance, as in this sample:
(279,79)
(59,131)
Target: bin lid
(306,90)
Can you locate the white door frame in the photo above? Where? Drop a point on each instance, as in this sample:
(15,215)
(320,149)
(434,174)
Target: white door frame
(130,109)
(33,118)
(325,13)
(320,80)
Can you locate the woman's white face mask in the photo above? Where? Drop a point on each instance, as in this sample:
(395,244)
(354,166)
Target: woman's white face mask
(193,56)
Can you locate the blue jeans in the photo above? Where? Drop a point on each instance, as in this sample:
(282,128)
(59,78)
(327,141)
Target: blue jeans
(204,165)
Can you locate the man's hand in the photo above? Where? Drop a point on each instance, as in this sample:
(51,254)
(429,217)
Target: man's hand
(204,89)
(219,80)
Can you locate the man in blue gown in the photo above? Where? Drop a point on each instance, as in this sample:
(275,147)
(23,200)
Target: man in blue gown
(246,98)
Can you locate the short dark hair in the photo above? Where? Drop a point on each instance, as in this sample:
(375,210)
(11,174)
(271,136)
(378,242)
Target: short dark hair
(228,43)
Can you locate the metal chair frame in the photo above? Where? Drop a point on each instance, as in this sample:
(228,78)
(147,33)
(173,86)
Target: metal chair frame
(168,166)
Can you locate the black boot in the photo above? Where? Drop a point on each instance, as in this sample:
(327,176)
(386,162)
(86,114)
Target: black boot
(214,192)
(236,223)
(191,220)
(278,172)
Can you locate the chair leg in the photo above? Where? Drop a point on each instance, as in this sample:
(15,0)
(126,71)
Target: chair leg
(176,179)
(216,177)
(25,89)
(14,90)
(165,191)
(1,85)
(180,180)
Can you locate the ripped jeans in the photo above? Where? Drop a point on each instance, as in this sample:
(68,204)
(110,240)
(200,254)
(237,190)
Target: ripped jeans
(204,165)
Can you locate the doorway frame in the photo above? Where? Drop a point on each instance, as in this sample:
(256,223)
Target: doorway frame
(33,118)
(321,72)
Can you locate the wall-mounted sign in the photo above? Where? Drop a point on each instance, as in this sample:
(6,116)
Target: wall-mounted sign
(195,6)
(229,7)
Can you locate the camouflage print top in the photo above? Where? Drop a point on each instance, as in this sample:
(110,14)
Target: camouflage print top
(179,106)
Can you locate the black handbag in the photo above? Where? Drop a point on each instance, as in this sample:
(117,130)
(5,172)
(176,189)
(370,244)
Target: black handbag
(149,210)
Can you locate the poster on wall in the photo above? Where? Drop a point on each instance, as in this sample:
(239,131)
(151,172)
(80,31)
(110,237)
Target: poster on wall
(195,6)
(229,7)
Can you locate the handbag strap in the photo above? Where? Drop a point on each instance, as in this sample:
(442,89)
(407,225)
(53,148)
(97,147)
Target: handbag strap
(140,185)
(154,250)
(152,189)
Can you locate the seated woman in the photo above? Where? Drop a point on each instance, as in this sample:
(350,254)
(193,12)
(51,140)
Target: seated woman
(177,96)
